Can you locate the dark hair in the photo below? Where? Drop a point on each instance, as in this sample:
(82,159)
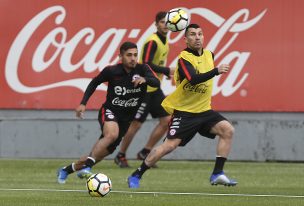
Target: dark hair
(195,26)
(127,45)
(160,15)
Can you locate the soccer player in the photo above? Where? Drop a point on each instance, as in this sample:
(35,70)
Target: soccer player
(190,106)
(127,85)
(154,53)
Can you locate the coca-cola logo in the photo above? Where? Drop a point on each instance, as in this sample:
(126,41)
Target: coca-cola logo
(133,102)
(197,88)
(65,49)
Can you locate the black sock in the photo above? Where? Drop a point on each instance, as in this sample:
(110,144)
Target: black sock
(141,170)
(90,162)
(120,154)
(69,169)
(219,165)
(145,151)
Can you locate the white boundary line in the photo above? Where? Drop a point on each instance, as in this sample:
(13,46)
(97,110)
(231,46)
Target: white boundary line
(162,193)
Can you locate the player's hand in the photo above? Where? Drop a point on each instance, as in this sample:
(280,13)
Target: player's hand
(138,81)
(223,68)
(168,77)
(80,111)
(172,70)
(171,73)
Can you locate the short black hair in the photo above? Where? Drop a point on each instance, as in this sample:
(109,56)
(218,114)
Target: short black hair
(195,26)
(127,45)
(160,15)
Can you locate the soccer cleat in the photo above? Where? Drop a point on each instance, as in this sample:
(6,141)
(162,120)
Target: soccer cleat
(121,161)
(84,173)
(133,181)
(62,175)
(221,179)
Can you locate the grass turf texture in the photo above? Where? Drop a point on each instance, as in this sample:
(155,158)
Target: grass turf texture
(171,176)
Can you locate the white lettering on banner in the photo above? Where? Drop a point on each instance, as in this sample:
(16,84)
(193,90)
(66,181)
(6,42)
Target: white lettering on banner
(133,102)
(65,49)
(229,86)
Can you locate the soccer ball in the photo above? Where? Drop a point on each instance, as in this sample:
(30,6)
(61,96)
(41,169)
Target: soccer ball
(99,185)
(176,20)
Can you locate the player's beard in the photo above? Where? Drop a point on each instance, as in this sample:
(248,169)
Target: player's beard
(131,65)
(197,46)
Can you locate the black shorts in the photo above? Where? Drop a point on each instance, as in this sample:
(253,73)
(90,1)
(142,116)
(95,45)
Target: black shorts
(185,125)
(105,115)
(151,104)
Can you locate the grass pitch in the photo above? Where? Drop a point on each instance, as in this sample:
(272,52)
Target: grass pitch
(33,182)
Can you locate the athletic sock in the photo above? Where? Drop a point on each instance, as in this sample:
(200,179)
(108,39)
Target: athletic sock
(145,151)
(219,165)
(90,162)
(120,154)
(69,169)
(141,170)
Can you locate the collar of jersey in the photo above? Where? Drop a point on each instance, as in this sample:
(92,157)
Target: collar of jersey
(194,52)
(161,37)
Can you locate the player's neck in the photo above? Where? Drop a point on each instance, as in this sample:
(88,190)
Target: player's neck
(127,69)
(199,51)
(162,34)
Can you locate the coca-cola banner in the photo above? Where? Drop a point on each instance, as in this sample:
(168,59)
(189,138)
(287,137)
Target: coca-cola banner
(50,50)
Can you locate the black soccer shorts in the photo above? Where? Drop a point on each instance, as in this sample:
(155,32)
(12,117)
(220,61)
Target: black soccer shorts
(105,115)
(185,125)
(151,104)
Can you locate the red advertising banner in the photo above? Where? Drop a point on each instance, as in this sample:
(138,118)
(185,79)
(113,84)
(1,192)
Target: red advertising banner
(50,50)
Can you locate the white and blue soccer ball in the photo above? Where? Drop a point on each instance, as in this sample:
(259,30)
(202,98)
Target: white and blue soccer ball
(176,19)
(99,185)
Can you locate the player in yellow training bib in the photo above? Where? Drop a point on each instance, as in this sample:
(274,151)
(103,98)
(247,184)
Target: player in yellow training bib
(190,106)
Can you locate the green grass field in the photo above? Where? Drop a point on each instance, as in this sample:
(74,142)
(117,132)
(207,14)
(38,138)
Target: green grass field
(259,184)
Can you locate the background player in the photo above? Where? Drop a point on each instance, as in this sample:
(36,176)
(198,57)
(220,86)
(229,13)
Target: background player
(154,53)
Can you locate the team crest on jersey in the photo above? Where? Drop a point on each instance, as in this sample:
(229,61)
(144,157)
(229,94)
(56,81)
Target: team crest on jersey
(111,116)
(135,76)
(172,132)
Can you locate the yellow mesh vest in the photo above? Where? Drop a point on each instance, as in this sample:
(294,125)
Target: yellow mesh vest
(160,56)
(187,97)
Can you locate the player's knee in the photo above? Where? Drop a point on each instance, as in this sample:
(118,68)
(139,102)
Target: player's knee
(170,147)
(229,132)
(111,137)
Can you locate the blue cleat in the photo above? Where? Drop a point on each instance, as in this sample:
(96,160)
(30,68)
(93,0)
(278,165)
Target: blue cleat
(62,175)
(133,181)
(84,173)
(221,179)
